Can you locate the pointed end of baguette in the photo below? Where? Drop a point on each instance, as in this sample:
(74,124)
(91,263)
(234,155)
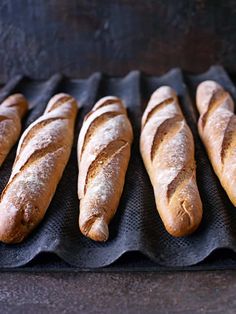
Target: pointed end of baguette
(98,230)
(187,218)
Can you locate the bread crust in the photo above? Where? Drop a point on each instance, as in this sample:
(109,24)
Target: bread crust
(12,110)
(167,149)
(217,128)
(103,155)
(42,155)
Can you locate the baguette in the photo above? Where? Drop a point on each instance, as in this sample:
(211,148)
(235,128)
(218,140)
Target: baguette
(167,149)
(42,154)
(12,110)
(217,128)
(103,155)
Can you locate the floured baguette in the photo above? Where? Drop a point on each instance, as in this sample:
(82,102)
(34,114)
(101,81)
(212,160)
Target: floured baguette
(42,155)
(12,111)
(103,155)
(217,128)
(167,149)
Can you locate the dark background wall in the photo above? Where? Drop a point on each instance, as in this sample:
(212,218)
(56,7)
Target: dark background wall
(41,37)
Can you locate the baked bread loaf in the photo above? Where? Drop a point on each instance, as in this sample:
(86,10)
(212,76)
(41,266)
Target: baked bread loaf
(167,149)
(42,155)
(103,155)
(12,111)
(217,128)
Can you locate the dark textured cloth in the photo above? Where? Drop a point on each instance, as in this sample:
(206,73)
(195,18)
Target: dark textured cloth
(136,226)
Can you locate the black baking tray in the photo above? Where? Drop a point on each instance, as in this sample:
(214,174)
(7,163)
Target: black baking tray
(138,240)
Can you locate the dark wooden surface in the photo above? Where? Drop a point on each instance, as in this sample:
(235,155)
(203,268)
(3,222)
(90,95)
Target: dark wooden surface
(199,292)
(41,37)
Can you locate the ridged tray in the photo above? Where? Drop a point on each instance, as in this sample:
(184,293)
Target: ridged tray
(136,230)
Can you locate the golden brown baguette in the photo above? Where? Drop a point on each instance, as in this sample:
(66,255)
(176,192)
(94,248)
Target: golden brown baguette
(103,155)
(217,128)
(12,111)
(42,154)
(167,148)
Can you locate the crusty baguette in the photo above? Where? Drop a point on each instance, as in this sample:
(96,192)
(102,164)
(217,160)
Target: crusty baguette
(103,155)
(12,111)
(42,154)
(167,149)
(217,128)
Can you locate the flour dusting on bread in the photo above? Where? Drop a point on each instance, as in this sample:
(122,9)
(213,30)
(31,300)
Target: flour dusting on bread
(103,154)
(167,149)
